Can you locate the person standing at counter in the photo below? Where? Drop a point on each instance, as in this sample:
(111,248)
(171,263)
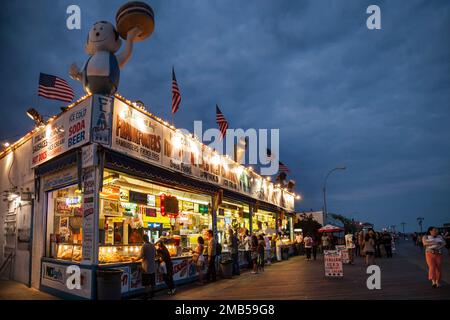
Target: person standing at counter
(261,250)
(234,243)
(164,256)
(247,246)
(268,257)
(147,254)
(211,273)
(199,259)
(254,254)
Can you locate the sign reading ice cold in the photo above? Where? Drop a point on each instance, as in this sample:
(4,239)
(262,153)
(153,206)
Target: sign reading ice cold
(69,131)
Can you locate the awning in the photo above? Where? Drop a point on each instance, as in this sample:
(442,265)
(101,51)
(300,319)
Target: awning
(58,163)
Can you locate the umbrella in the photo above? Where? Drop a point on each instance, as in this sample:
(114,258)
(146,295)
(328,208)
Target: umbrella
(330,228)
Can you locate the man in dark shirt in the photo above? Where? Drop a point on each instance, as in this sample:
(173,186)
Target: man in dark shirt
(211,273)
(164,256)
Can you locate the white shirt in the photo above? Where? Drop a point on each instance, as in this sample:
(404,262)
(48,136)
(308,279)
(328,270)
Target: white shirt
(349,241)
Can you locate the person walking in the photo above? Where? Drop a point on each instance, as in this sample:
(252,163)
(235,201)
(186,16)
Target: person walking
(234,243)
(369,247)
(247,242)
(314,247)
(361,243)
(268,257)
(308,246)
(278,246)
(350,246)
(433,243)
(147,256)
(199,259)
(261,250)
(164,257)
(387,242)
(211,273)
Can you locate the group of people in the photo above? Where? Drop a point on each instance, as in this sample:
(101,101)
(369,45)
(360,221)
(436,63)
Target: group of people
(370,244)
(153,256)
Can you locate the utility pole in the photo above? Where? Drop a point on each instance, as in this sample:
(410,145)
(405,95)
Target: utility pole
(403,228)
(420,221)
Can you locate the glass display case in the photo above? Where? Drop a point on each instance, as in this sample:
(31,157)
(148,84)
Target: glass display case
(118,253)
(68,251)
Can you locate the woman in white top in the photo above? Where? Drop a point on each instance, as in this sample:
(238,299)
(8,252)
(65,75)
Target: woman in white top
(433,243)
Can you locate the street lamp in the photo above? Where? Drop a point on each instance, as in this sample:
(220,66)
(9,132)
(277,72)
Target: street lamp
(403,227)
(420,221)
(325,189)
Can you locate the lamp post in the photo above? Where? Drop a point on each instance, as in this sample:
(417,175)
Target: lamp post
(403,227)
(325,190)
(420,221)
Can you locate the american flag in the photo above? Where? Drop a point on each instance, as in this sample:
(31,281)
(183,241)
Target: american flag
(282,167)
(221,122)
(52,87)
(176,96)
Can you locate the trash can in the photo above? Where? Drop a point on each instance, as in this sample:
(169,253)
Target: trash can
(285,253)
(226,268)
(109,284)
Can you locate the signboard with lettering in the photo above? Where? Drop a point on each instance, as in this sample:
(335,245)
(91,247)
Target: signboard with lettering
(70,130)
(333,263)
(102,119)
(138,135)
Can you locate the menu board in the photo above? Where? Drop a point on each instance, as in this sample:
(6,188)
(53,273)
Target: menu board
(68,131)
(333,263)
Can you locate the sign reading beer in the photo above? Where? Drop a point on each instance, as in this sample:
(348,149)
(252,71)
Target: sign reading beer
(70,130)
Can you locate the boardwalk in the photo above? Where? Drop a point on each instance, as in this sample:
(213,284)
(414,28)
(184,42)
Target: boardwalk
(403,277)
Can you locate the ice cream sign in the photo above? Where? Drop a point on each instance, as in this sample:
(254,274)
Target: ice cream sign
(68,131)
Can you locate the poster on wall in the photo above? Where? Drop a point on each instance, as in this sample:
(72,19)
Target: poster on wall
(102,119)
(333,263)
(89,189)
(70,130)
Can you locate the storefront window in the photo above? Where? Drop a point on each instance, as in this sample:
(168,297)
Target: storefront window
(131,208)
(64,224)
(264,222)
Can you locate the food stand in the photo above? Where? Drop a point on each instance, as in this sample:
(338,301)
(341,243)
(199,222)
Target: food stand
(103,190)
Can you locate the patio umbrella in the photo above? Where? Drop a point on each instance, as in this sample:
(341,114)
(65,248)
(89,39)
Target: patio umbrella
(330,228)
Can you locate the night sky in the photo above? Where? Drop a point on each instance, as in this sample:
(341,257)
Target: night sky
(374,101)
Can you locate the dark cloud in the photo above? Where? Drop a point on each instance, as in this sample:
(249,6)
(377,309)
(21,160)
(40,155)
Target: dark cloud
(376,101)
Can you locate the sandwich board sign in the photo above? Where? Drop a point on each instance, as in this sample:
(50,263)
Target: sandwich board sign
(333,263)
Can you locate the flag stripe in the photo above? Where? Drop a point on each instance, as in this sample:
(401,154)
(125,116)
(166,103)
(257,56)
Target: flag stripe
(53,87)
(221,122)
(176,95)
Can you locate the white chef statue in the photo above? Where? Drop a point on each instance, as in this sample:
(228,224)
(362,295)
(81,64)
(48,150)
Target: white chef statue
(100,74)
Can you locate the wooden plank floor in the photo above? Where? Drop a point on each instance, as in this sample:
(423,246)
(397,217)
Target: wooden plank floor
(402,277)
